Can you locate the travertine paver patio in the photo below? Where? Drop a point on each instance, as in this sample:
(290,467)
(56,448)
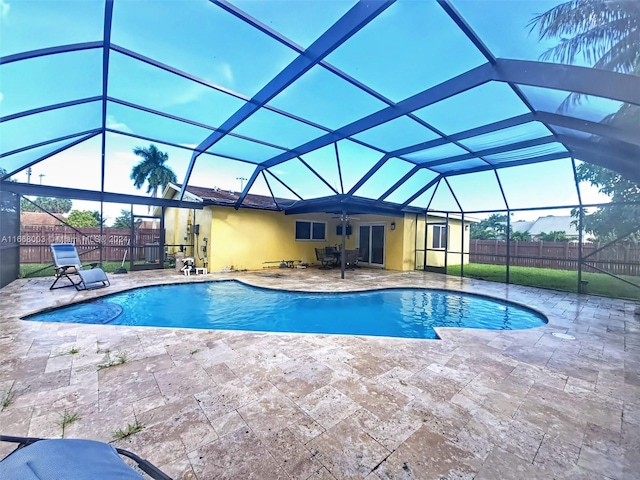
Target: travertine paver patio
(222,404)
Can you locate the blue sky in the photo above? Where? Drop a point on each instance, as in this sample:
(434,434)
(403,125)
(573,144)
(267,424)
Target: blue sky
(410,47)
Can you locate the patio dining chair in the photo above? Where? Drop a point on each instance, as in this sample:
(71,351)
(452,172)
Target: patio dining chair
(351,258)
(67,264)
(325,261)
(333,254)
(41,459)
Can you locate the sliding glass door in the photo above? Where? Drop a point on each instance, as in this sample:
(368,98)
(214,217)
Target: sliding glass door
(371,244)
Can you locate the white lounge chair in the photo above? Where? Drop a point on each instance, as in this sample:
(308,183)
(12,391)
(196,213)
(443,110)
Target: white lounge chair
(67,262)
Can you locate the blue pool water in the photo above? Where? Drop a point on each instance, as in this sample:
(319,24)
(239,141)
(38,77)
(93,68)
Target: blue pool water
(230,305)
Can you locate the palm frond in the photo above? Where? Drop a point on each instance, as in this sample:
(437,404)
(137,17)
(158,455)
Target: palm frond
(623,57)
(591,44)
(576,16)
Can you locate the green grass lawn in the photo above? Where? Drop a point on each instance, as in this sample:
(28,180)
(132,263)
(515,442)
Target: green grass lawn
(599,283)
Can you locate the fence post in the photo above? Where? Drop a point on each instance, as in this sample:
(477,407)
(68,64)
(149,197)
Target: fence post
(539,259)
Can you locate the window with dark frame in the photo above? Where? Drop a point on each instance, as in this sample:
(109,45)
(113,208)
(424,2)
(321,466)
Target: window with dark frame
(440,236)
(308,230)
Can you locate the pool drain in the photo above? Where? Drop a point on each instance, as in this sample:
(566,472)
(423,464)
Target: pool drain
(563,336)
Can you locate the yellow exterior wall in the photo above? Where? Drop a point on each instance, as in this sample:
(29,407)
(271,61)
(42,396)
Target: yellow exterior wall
(454,242)
(246,238)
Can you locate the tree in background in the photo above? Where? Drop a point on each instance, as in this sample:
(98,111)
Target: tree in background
(124,220)
(607,34)
(53,205)
(520,236)
(3,172)
(608,223)
(555,236)
(152,170)
(493,227)
(96,215)
(82,218)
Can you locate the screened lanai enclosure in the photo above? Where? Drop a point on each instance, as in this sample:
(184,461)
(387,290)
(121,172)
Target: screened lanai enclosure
(450,108)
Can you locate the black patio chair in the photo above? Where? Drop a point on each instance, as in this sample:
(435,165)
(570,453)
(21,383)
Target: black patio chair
(62,458)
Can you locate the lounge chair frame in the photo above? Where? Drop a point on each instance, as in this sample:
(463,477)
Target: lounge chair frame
(67,262)
(144,465)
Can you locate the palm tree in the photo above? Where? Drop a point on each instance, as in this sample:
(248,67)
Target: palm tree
(605,33)
(152,169)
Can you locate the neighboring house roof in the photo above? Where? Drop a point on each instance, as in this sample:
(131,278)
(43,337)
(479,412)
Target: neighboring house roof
(39,218)
(521,226)
(218,196)
(550,224)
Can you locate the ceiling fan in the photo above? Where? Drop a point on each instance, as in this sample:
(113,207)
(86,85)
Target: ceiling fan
(346,218)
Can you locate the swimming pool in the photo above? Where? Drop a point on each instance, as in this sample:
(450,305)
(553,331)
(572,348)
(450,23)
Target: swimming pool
(231,305)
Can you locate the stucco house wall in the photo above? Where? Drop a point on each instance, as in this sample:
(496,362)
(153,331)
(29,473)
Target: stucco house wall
(246,238)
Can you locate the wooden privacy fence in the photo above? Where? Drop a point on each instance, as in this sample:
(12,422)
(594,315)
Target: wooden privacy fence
(619,259)
(35,240)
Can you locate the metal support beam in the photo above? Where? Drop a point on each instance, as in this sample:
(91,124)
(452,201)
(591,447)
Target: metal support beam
(461,83)
(94,196)
(343,257)
(252,179)
(270,191)
(284,185)
(580,222)
(348,25)
(335,147)
(47,108)
(191,122)
(462,228)
(175,145)
(367,176)
(49,142)
(50,154)
(108,16)
(514,163)
(399,183)
(208,84)
(586,126)
(570,78)
(318,175)
(422,190)
(74,47)
(491,151)
(504,196)
(447,229)
(453,194)
(508,260)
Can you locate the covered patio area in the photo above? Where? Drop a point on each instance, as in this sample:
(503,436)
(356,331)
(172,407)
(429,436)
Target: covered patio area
(232,404)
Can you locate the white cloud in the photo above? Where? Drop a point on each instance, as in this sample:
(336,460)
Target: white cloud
(187,95)
(226,72)
(1,95)
(113,123)
(4,9)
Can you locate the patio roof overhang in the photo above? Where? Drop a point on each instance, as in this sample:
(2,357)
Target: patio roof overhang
(343,204)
